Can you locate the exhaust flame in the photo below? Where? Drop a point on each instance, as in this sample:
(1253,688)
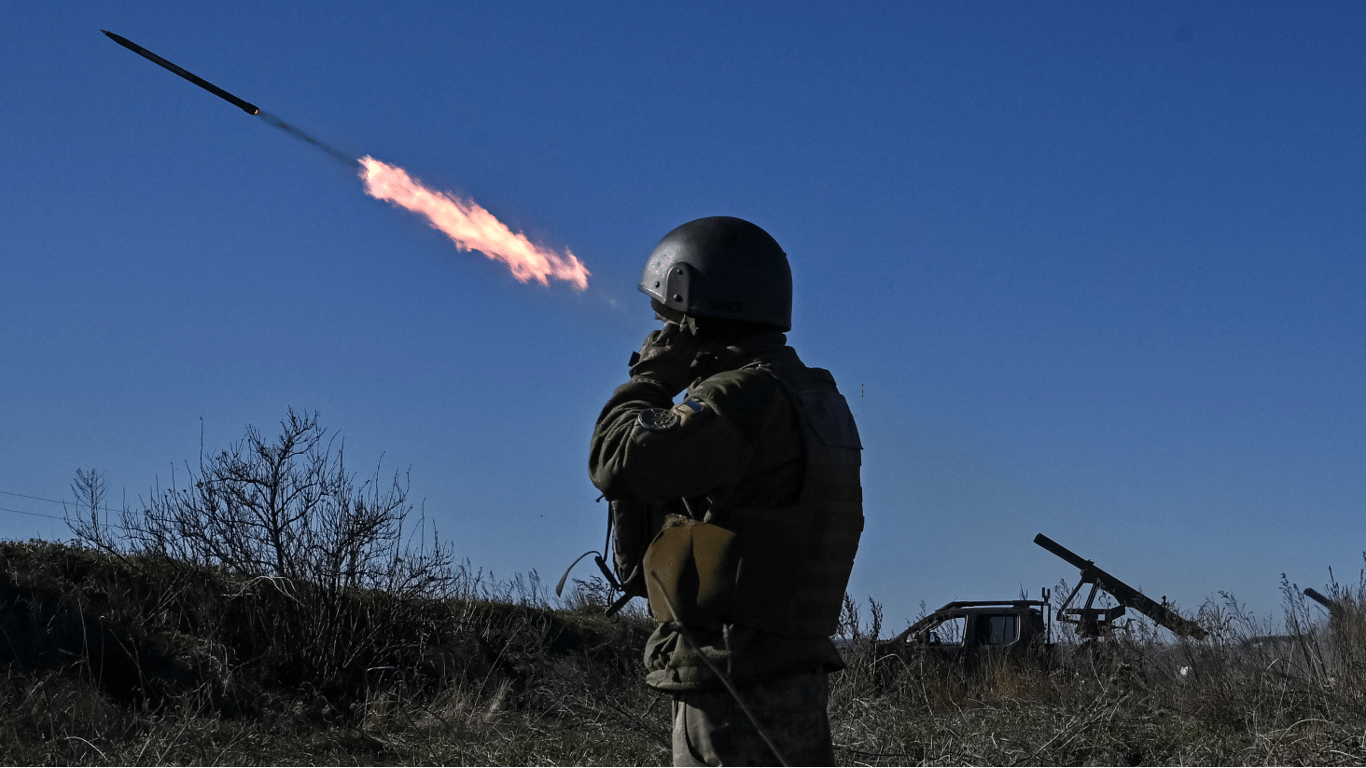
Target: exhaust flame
(471,227)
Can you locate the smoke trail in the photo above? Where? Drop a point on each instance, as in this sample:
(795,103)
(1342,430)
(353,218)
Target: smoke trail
(471,227)
(298,134)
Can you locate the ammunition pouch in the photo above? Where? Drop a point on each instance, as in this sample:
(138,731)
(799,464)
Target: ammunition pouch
(690,572)
(701,574)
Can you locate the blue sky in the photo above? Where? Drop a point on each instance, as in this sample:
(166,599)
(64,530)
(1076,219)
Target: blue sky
(1091,270)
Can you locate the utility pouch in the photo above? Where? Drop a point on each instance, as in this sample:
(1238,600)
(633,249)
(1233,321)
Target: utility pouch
(631,530)
(691,570)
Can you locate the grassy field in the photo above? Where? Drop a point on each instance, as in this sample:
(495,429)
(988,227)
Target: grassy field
(1238,697)
(120,659)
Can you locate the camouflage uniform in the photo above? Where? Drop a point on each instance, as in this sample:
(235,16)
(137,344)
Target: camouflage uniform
(735,442)
(710,728)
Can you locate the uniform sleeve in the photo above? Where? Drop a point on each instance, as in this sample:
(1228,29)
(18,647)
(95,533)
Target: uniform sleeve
(647,449)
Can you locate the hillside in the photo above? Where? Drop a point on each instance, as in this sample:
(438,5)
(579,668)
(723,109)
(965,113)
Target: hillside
(111,660)
(114,659)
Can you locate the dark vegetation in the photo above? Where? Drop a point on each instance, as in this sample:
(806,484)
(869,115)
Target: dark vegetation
(277,610)
(140,660)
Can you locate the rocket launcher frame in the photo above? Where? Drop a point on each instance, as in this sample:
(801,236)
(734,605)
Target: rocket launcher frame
(1097,622)
(1329,603)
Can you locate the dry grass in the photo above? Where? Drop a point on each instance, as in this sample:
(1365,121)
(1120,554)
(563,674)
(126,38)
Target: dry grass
(109,661)
(1239,697)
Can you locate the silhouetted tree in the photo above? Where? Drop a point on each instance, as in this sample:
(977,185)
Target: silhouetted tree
(285,522)
(286,508)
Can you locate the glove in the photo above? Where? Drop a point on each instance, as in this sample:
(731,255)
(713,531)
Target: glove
(666,357)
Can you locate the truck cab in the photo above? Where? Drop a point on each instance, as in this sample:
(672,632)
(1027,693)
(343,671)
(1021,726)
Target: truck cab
(968,630)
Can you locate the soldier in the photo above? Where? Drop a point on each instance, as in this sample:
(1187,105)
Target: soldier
(738,510)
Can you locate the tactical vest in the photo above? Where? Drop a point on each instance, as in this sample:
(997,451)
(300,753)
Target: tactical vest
(779,569)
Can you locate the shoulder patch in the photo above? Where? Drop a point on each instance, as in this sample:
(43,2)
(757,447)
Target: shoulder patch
(689,407)
(661,420)
(657,420)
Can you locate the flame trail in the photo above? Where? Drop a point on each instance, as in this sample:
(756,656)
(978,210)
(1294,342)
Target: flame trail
(471,227)
(468,225)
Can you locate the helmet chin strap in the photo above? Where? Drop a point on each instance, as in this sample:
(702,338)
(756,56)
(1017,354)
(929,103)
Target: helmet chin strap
(670,315)
(666,313)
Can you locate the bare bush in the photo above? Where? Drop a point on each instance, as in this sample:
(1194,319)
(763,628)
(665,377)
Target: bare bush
(287,509)
(286,523)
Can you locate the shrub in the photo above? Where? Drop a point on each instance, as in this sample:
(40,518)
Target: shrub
(312,557)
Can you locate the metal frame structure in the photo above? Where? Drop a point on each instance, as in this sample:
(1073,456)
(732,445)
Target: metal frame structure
(1095,622)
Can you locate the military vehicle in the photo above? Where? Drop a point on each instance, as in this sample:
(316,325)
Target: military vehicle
(970,630)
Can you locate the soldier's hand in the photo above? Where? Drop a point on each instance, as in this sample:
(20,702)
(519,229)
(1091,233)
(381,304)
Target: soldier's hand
(665,358)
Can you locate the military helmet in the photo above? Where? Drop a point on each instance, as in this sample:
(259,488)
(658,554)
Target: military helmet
(723,267)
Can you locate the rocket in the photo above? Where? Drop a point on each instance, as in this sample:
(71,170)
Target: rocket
(245,106)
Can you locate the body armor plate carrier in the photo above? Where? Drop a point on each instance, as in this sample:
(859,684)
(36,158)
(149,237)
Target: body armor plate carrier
(778,569)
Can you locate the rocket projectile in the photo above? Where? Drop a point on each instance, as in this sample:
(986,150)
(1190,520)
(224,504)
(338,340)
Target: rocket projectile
(245,106)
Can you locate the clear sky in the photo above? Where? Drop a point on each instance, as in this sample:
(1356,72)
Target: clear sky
(1089,269)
